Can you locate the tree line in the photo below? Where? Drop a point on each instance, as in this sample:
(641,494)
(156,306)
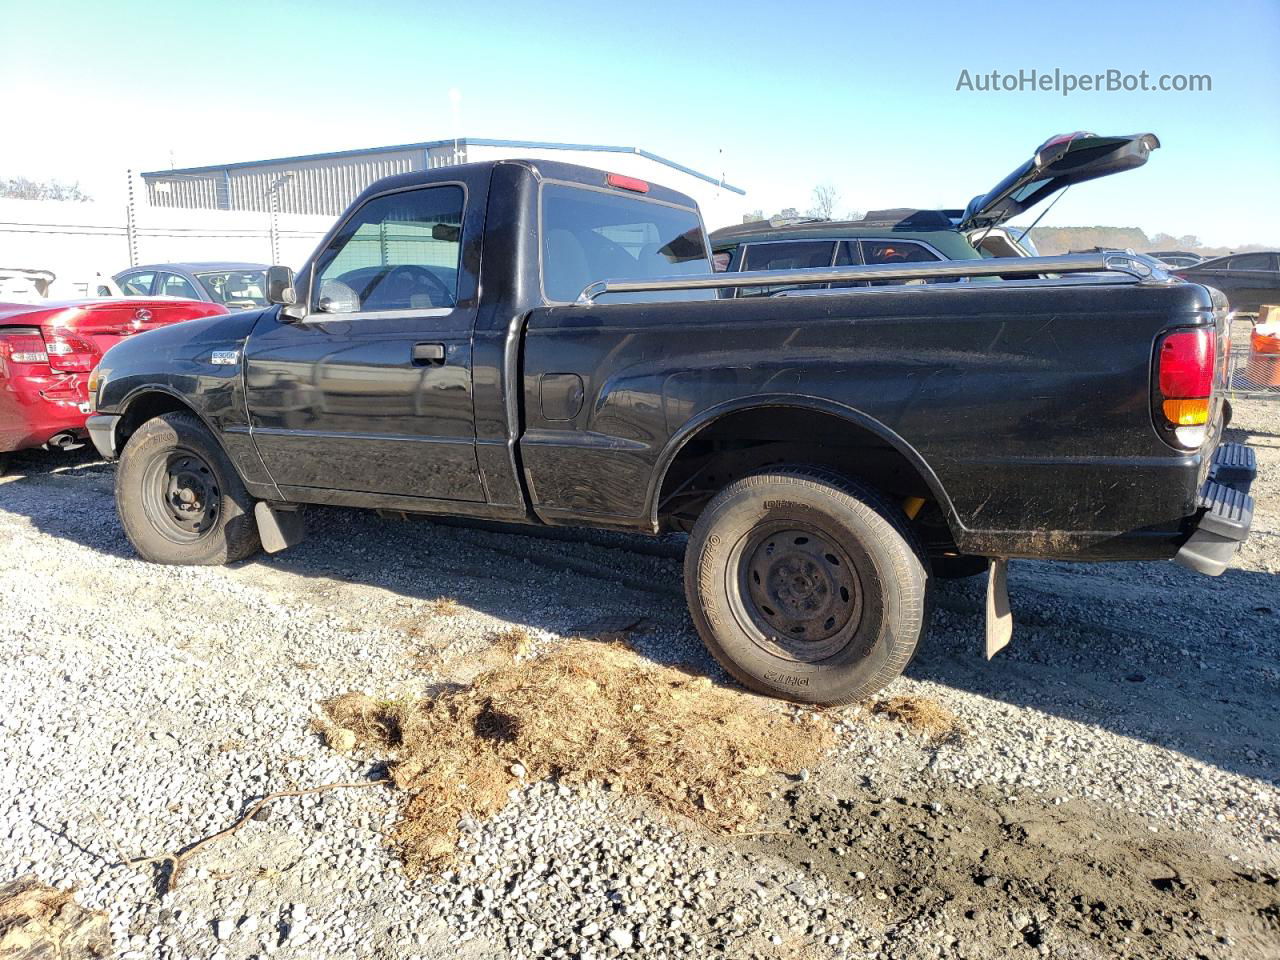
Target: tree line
(24,188)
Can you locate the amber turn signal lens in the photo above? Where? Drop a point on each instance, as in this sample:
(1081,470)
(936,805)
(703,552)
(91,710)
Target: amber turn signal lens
(1187,413)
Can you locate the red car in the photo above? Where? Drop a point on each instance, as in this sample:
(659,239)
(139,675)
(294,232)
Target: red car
(47,351)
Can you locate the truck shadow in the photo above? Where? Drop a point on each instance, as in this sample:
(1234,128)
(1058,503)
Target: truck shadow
(1148,651)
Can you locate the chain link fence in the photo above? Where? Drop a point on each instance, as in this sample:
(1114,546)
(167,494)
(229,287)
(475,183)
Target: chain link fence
(1253,365)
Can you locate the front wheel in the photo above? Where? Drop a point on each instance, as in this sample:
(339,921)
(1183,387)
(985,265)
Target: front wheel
(806,585)
(179,498)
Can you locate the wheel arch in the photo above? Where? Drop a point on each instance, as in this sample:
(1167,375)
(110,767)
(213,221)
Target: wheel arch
(148,402)
(803,410)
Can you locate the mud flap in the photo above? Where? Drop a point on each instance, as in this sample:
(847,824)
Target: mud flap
(280,525)
(999,616)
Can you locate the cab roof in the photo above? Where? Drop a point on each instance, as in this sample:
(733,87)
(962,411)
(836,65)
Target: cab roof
(539,169)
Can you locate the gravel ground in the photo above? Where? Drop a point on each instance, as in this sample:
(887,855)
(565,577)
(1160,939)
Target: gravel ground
(1109,785)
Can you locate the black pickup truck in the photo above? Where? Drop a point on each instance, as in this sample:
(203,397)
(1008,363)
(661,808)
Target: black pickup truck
(545,343)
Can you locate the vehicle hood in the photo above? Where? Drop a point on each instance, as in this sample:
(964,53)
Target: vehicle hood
(1057,163)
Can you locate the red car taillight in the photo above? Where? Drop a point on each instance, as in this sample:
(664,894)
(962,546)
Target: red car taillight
(23,345)
(1184,380)
(71,354)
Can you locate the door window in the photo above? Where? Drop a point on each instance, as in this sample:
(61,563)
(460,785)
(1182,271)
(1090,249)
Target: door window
(137,284)
(1250,261)
(786,255)
(400,251)
(172,285)
(897,252)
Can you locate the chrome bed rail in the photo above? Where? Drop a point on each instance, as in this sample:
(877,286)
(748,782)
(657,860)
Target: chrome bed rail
(1133,265)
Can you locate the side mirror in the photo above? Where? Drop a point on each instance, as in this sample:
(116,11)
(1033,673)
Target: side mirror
(280,286)
(336,297)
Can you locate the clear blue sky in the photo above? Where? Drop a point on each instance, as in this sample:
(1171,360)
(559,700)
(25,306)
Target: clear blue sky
(780,96)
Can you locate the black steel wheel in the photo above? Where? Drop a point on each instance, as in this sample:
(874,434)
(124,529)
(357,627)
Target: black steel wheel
(807,585)
(799,588)
(179,497)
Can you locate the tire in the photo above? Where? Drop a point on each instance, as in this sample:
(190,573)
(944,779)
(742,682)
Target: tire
(4,464)
(180,499)
(957,568)
(807,585)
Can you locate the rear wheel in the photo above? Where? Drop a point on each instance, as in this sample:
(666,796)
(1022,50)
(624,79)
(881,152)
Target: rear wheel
(179,498)
(806,585)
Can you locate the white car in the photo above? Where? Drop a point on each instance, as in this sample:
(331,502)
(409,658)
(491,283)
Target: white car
(25,285)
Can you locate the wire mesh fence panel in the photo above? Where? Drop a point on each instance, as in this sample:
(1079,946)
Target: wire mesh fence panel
(1253,366)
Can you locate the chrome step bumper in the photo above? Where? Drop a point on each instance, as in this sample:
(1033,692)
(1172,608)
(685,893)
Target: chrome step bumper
(1226,511)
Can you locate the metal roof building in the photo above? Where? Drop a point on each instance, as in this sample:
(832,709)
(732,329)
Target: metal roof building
(325,183)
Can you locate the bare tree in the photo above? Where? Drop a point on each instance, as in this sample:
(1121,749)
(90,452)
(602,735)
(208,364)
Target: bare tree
(825,198)
(24,188)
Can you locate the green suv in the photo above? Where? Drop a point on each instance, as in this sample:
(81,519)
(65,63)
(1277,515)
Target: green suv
(912,236)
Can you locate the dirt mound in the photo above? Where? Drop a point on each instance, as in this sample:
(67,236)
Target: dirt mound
(583,712)
(38,922)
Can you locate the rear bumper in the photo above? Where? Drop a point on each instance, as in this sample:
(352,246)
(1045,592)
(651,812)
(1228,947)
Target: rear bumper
(1226,511)
(102,431)
(34,410)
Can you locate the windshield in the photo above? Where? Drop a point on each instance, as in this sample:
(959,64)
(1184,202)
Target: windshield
(590,235)
(236,288)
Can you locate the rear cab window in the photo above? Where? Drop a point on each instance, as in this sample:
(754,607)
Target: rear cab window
(591,234)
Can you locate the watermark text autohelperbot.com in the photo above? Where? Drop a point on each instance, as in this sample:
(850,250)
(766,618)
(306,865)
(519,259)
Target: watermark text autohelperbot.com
(1067,83)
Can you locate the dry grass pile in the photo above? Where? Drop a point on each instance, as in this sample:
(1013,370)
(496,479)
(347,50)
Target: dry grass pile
(444,607)
(583,712)
(919,714)
(501,646)
(39,922)
(414,624)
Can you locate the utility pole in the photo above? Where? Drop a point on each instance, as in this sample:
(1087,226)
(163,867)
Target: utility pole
(130,223)
(273,209)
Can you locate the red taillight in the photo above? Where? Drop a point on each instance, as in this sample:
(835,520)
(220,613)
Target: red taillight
(626,183)
(1184,376)
(1186,364)
(23,346)
(71,354)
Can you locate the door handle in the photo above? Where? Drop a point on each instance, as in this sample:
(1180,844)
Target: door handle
(425,353)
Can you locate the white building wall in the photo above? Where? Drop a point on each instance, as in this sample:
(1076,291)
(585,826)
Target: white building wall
(75,238)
